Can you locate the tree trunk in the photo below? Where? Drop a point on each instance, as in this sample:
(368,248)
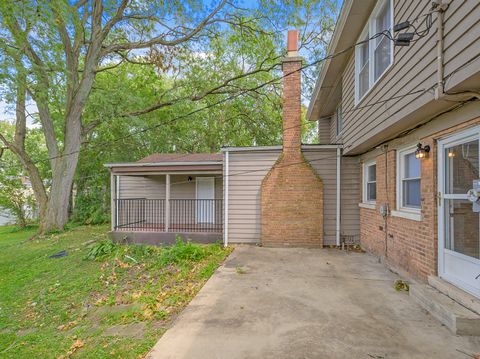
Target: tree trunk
(56,215)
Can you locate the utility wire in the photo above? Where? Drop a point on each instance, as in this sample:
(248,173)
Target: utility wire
(385,33)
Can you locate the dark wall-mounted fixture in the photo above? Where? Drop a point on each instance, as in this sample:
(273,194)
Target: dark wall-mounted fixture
(422,151)
(190,178)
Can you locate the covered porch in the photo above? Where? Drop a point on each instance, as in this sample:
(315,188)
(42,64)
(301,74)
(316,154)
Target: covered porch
(162,196)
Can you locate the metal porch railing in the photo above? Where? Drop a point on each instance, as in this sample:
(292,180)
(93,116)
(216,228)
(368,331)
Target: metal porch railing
(175,215)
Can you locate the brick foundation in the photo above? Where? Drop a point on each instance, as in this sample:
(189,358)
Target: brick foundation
(407,245)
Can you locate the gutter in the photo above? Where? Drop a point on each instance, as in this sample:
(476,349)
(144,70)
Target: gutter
(440,93)
(160,164)
(304,147)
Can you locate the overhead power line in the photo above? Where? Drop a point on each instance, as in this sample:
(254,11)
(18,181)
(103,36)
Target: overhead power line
(385,33)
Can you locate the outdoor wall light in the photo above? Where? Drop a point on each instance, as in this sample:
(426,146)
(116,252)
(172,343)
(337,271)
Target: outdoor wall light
(451,153)
(190,178)
(422,151)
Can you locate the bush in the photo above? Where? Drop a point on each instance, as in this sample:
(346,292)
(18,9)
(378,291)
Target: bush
(101,250)
(183,251)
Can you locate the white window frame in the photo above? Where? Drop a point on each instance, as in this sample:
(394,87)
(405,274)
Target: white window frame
(366,165)
(338,128)
(368,32)
(401,153)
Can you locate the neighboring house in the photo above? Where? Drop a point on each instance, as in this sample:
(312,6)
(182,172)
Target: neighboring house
(6,217)
(411,116)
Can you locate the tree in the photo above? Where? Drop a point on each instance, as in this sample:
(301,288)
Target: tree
(16,196)
(53,52)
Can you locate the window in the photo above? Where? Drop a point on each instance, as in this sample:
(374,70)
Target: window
(370,182)
(373,57)
(408,172)
(339,116)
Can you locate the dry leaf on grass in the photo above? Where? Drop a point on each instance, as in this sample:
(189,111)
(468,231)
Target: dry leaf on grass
(77,344)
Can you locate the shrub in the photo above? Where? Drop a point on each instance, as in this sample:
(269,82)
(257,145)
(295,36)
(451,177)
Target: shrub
(183,251)
(101,250)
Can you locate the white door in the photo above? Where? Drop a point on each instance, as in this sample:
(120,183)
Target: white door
(205,199)
(458,224)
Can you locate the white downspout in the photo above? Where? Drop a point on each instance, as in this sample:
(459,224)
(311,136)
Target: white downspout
(117,190)
(338,204)
(167,202)
(225,197)
(440,93)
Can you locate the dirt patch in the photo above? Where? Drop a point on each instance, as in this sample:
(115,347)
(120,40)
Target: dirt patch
(135,330)
(26,331)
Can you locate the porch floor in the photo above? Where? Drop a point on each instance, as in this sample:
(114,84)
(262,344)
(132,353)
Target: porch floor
(160,227)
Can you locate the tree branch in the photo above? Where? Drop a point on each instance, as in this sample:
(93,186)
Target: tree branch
(160,40)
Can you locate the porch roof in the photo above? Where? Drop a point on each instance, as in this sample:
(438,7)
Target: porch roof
(168,162)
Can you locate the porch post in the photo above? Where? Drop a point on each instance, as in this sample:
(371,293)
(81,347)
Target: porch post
(167,202)
(113,206)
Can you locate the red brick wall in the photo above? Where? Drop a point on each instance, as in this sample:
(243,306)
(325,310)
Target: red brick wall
(405,244)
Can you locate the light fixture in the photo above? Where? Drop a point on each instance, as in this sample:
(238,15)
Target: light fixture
(190,179)
(451,153)
(422,151)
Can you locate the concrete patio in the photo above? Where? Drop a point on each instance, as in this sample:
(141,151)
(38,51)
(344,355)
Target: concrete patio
(306,303)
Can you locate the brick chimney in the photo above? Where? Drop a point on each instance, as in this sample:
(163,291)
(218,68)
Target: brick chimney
(292,193)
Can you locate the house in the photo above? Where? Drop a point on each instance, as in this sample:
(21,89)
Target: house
(408,109)
(286,195)
(396,167)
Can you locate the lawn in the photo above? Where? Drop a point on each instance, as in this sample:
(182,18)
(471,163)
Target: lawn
(100,299)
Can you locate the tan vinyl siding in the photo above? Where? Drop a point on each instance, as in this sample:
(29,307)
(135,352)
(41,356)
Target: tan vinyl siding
(333,129)
(142,187)
(324,136)
(246,172)
(153,187)
(350,195)
(414,69)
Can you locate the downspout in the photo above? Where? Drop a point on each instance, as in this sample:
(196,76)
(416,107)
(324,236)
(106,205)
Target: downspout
(225,196)
(117,190)
(440,93)
(338,219)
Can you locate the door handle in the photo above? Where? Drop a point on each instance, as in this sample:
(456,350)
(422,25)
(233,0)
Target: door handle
(439,199)
(478,276)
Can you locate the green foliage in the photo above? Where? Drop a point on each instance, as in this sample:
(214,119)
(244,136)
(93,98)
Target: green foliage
(102,249)
(16,195)
(48,304)
(182,251)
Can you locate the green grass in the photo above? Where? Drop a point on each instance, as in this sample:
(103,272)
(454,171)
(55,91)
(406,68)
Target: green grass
(62,307)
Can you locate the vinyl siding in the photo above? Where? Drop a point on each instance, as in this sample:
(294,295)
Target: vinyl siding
(246,172)
(324,135)
(153,187)
(414,69)
(350,195)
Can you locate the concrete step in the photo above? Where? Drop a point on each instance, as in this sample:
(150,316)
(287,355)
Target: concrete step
(458,295)
(457,318)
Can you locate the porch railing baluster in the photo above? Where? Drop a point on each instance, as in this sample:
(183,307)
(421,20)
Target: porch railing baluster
(186,215)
